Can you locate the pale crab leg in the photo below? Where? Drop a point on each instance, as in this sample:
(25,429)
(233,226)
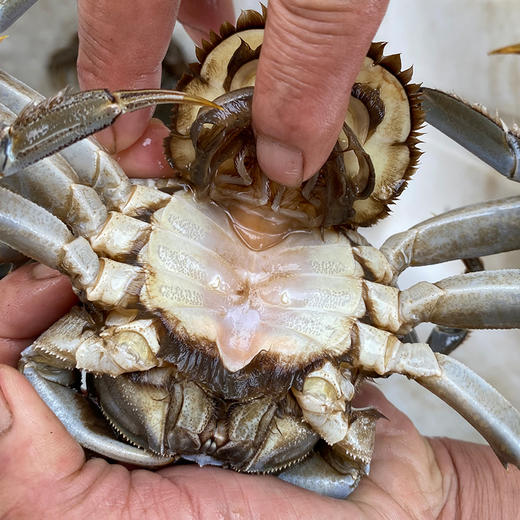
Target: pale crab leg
(36,233)
(491,141)
(480,404)
(452,235)
(45,128)
(11,10)
(481,300)
(33,231)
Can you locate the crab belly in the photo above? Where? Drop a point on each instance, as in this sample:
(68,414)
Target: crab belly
(295,302)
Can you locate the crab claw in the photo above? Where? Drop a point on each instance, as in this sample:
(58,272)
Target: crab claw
(45,128)
(11,10)
(509,49)
(490,140)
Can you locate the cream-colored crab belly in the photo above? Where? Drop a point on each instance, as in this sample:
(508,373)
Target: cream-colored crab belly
(296,300)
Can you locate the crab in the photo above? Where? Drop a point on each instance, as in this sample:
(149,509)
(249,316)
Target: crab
(226,319)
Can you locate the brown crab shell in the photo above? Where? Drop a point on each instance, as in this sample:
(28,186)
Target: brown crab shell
(378,141)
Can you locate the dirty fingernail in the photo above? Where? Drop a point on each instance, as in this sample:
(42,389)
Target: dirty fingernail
(42,272)
(6,418)
(280,162)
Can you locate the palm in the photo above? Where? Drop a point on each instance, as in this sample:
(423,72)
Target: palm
(191,492)
(43,472)
(404,478)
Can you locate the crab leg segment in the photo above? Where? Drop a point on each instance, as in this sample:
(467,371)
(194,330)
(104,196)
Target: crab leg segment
(317,475)
(53,185)
(478,402)
(452,301)
(469,232)
(11,10)
(491,141)
(36,233)
(43,129)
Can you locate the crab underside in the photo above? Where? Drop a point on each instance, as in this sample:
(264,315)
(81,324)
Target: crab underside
(228,320)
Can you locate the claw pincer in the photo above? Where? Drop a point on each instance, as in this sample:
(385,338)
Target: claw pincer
(45,128)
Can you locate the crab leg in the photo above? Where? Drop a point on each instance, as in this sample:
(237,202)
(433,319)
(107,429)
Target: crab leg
(93,166)
(491,141)
(451,302)
(454,235)
(45,128)
(11,10)
(480,404)
(33,231)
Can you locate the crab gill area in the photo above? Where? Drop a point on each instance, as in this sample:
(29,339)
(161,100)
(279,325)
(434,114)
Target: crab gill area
(290,287)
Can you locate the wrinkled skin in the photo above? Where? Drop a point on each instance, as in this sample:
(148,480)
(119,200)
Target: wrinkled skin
(44,473)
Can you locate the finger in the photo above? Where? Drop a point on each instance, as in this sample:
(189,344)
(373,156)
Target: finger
(146,157)
(31,298)
(199,17)
(36,452)
(122,45)
(311,55)
(401,454)
(256,496)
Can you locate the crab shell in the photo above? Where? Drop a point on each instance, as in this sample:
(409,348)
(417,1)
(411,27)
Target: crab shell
(376,149)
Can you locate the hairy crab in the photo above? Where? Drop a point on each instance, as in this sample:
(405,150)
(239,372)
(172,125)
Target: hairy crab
(228,320)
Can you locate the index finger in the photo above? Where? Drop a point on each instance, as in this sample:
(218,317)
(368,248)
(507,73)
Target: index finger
(122,45)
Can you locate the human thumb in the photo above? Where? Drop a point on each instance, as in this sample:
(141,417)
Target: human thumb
(36,452)
(311,55)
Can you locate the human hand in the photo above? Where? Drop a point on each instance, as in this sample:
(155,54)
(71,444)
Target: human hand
(44,473)
(310,58)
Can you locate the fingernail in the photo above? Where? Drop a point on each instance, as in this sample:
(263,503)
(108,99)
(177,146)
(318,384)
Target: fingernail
(42,272)
(6,418)
(280,162)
